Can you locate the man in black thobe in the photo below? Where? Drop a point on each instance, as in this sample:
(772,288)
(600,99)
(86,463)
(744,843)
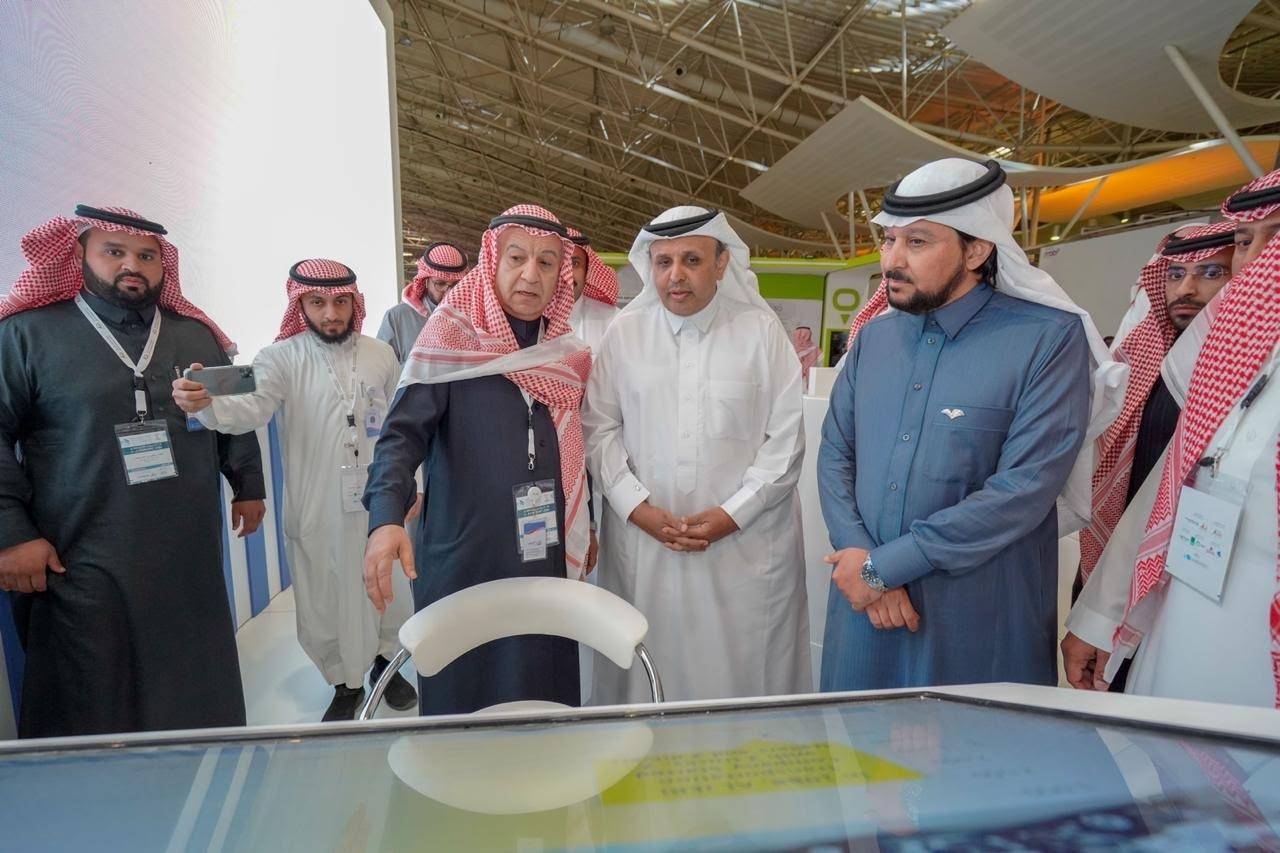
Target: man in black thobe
(117,589)
(469,406)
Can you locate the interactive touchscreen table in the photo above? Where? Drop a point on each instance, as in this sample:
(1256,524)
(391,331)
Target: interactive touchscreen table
(910,771)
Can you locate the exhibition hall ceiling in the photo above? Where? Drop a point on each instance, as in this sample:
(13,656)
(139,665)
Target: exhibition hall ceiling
(609,111)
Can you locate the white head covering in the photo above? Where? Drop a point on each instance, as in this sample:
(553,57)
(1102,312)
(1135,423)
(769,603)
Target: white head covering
(990,217)
(738,282)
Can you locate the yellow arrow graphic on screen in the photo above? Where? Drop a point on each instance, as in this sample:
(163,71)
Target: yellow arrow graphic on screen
(755,767)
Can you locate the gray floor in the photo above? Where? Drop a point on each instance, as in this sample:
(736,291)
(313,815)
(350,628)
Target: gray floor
(281,685)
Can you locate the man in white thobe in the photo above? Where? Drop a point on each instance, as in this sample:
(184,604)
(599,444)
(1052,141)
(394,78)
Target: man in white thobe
(693,428)
(330,387)
(1196,639)
(595,305)
(595,292)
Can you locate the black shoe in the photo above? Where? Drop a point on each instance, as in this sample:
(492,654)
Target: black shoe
(399,694)
(346,702)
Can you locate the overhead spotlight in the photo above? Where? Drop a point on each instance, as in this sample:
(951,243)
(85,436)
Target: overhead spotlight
(405,40)
(1056,235)
(606,25)
(1124,218)
(680,70)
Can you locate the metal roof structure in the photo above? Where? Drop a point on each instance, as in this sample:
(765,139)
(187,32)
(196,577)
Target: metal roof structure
(608,111)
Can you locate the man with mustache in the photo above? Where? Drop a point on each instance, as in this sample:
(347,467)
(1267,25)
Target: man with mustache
(490,401)
(440,267)
(1211,635)
(1189,268)
(956,422)
(114,556)
(330,387)
(694,437)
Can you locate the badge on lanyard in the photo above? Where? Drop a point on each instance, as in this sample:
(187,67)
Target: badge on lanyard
(536,525)
(375,412)
(144,444)
(146,451)
(353,479)
(1204,530)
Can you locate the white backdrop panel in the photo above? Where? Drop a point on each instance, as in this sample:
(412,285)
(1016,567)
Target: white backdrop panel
(257,132)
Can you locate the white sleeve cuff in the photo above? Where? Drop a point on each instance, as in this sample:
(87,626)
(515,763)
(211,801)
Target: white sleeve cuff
(744,507)
(626,494)
(1092,627)
(208,417)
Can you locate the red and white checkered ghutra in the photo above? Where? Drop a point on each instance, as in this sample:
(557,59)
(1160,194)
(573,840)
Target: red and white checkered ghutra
(54,274)
(470,329)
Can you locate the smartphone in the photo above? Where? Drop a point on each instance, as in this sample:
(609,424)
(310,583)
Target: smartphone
(224,381)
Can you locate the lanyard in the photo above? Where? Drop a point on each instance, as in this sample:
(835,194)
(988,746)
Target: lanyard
(139,384)
(348,398)
(528,402)
(1238,414)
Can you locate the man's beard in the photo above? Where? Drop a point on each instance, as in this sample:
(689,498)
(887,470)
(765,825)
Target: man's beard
(1174,321)
(111,292)
(920,302)
(340,337)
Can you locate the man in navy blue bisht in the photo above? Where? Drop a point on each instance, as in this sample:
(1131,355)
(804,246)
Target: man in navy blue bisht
(955,425)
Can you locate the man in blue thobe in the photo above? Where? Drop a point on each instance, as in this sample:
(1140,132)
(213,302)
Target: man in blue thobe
(953,427)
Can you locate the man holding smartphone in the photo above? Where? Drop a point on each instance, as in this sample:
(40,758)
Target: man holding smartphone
(329,386)
(110,516)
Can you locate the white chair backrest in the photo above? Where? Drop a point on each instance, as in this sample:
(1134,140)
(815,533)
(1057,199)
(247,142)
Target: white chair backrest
(458,623)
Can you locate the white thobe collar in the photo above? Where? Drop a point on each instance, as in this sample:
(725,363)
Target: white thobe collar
(701,321)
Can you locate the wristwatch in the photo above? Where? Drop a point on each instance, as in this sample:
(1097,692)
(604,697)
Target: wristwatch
(871,577)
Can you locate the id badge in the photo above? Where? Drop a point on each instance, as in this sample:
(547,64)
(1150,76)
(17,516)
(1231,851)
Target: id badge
(1204,531)
(375,412)
(353,479)
(146,452)
(536,525)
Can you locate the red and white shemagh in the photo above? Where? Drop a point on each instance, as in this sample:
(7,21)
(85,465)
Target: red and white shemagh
(876,305)
(1266,182)
(470,329)
(440,260)
(54,274)
(1241,340)
(295,322)
(602,280)
(1143,349)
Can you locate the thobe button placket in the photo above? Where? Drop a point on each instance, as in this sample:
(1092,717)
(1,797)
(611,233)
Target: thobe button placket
(687,414)
(914,414)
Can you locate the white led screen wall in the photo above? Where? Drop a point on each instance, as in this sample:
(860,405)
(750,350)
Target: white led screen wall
(257,131)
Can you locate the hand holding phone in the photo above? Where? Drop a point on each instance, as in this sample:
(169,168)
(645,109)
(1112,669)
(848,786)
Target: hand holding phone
(223,381)
(195,389)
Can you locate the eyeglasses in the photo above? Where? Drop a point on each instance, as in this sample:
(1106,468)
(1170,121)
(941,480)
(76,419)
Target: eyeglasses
(1203,272)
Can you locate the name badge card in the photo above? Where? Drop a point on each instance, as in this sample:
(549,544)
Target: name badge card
(536,524)
(375,412)
(145,451)
(1204,531)
(353,478)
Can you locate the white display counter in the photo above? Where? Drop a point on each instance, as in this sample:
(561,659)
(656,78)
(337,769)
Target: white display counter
(994,766)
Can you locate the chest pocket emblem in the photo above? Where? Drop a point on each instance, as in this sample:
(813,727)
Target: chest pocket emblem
(953,413)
